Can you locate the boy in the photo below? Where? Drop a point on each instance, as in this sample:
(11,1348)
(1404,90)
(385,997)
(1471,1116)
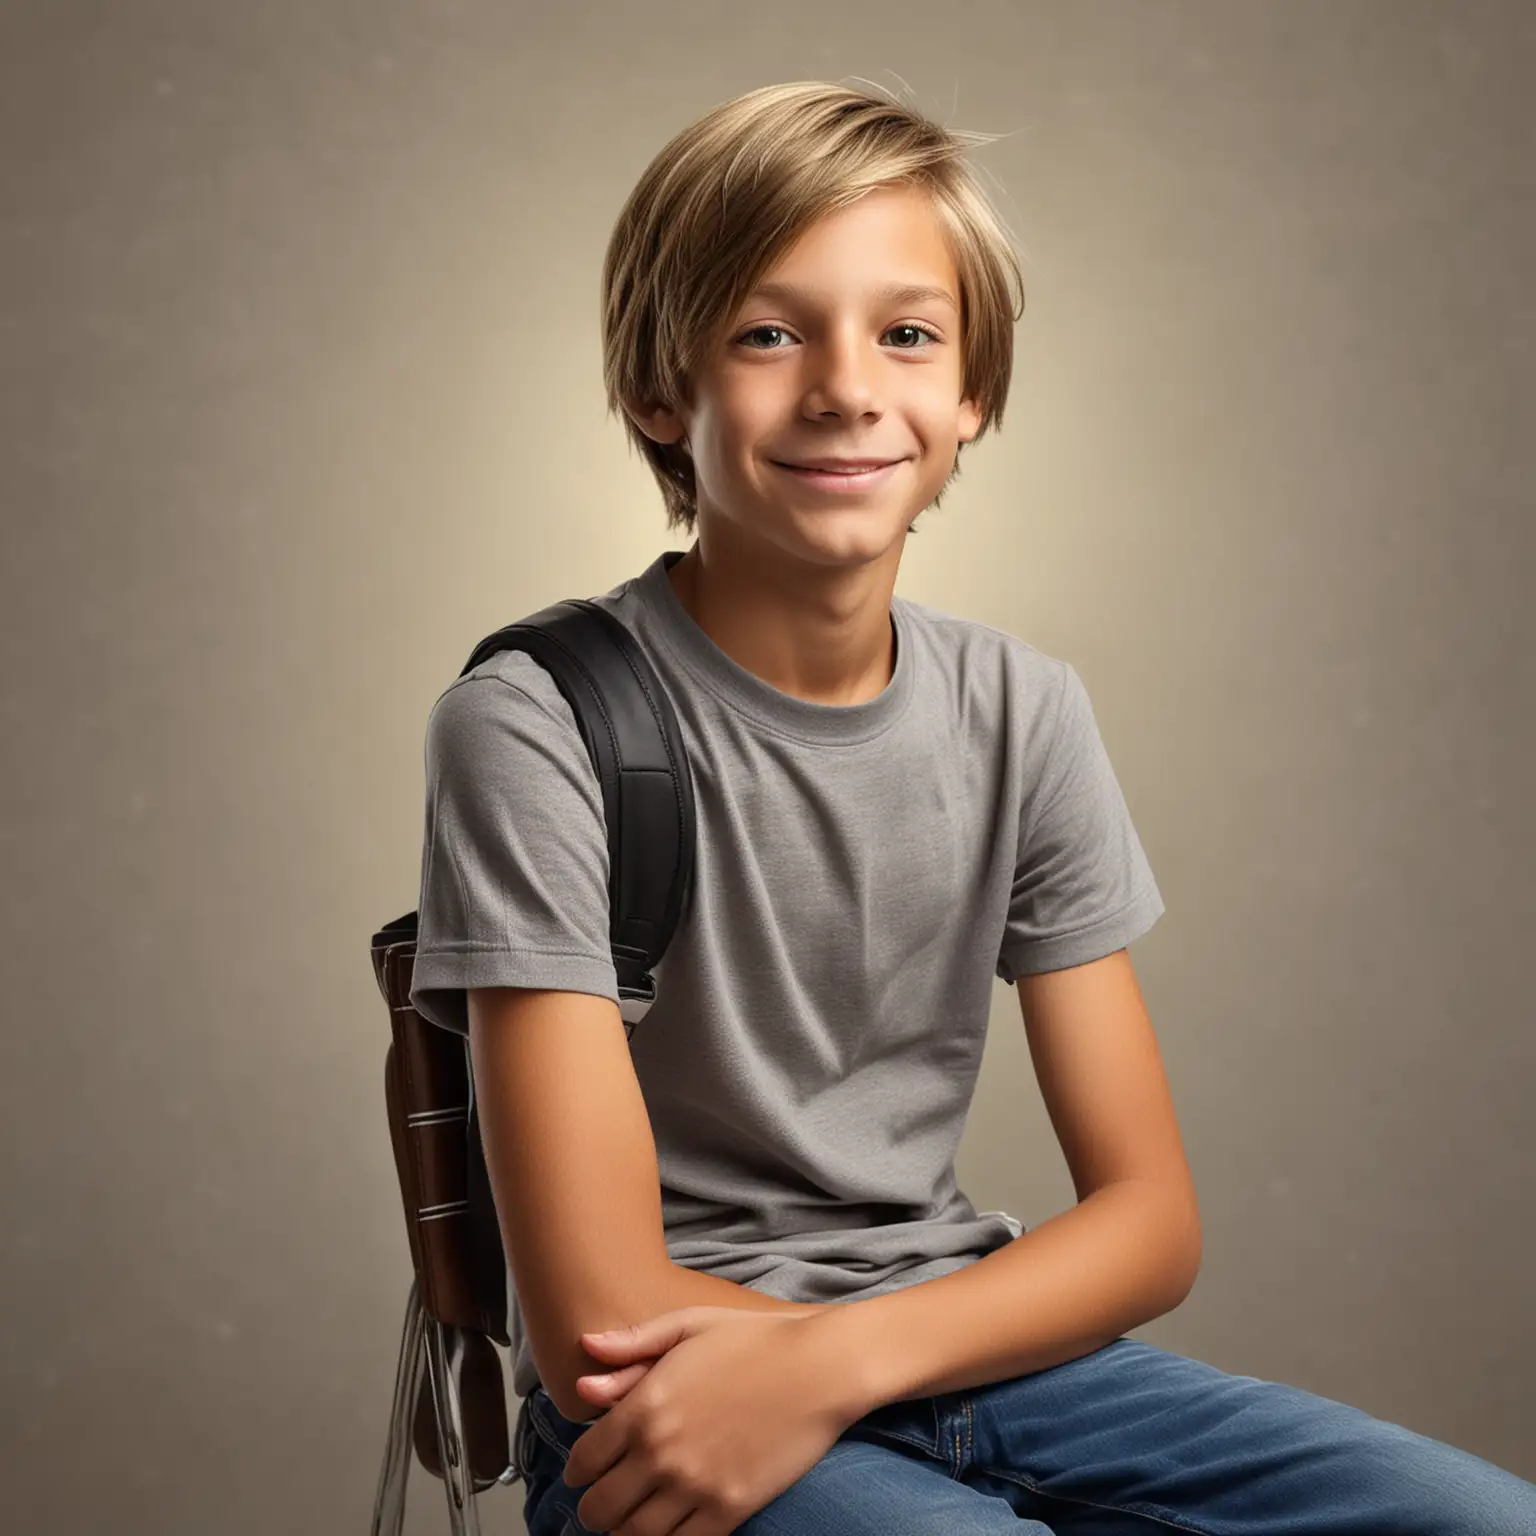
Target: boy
(808,310)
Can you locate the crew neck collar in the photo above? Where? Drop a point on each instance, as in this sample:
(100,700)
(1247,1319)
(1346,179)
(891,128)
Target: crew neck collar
(838,724)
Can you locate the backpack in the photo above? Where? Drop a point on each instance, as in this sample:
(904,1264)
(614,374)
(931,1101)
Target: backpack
(456,1311)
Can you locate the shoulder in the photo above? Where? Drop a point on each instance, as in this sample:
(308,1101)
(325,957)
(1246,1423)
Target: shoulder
(509,684)
(512,695)
(981,659)
(507,706)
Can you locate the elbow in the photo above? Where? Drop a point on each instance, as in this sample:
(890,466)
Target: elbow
(1191,1249)
(646,1294)
(567,1401)
(1176,1218)
(571,1407)
(560,1359)
(560,1383)
(1185,1279)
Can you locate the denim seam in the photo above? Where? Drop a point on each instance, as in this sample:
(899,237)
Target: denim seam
(1173,1522)
(895,1434)
(522,1441)
(549,1437)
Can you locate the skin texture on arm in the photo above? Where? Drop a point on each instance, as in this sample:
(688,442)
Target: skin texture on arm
(572,1165)
(1127,1252)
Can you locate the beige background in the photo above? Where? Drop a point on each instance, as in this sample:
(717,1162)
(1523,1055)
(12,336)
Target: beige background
(301,397)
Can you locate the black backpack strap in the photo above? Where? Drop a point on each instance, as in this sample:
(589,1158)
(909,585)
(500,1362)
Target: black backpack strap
(632,737)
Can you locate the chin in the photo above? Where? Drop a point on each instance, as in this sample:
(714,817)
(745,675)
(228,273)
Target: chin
(849,536)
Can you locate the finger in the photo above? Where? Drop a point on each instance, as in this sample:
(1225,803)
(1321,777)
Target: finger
(601,1385)
(623,1348)
(654,1336)
(661,1510)
(614,1341)
(616,1372)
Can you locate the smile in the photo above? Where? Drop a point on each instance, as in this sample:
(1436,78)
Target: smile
(831,480)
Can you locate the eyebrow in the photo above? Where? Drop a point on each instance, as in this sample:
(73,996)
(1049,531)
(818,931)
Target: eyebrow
(896,293)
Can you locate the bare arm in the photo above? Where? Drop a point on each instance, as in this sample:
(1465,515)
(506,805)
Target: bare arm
(572,1164)
(1127,1252)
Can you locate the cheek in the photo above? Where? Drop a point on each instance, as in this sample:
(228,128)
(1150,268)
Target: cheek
(742,442)
(941,420)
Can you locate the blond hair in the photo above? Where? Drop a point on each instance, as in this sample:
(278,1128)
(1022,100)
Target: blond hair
(730,193)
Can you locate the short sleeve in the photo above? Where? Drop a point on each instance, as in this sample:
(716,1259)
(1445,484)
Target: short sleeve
(1082,886)
(514,866)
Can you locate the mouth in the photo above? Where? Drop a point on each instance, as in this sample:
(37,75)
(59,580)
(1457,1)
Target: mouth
(838,479)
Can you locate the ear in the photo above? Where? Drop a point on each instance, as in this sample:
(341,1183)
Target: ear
(659,422)
(970,420)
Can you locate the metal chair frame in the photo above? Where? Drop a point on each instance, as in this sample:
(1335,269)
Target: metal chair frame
(434,1347)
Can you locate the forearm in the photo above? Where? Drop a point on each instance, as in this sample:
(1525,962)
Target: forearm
(683,1287)
(1125,1254)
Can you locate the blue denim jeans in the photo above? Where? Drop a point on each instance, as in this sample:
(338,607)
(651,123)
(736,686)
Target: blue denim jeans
(1126,1441)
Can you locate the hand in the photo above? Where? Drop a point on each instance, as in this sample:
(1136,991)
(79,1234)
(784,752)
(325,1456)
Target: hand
(720,1410)
(609,1386)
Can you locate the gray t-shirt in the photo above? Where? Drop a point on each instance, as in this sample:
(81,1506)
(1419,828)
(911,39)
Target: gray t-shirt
(863,872)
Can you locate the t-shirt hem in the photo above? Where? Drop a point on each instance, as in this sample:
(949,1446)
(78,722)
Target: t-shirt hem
(1119,929)
(457,970)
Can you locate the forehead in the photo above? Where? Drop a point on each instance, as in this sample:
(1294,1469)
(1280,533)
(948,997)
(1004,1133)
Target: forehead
(897,294)
(888,246)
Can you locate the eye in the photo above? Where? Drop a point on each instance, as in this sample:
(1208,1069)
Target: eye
(758,330)
(906,325)
(922,330)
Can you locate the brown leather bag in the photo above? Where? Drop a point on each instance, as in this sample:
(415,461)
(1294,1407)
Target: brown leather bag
(450,1398)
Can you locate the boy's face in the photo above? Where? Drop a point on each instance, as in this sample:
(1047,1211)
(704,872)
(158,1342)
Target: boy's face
(835,370)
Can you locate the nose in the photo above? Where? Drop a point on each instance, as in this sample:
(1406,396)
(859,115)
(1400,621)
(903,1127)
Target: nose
(840,375)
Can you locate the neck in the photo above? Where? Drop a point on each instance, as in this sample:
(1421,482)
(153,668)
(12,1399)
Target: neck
(826,641)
